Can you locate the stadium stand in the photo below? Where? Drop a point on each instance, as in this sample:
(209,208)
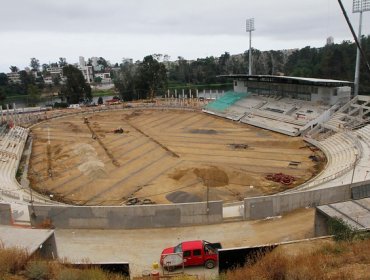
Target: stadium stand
(12,142)
(283,115)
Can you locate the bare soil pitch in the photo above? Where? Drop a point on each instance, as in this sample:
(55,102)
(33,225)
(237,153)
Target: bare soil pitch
(163,155)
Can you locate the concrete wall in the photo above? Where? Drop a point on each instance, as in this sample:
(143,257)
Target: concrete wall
(274,205)
(362,191)
(126,217)
(5,214)
(321,223)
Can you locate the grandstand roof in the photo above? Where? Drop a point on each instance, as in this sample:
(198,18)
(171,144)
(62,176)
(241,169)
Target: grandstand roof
(289,80)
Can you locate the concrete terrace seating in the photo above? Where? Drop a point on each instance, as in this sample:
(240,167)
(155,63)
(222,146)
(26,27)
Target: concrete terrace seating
(364,134)
(11,149)
(284,115)
(342,149)
(221,106)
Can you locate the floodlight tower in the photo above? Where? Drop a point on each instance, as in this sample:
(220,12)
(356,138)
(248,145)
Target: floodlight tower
(250,28)
(359,6)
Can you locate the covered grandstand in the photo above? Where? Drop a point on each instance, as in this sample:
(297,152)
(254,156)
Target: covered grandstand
(287,105)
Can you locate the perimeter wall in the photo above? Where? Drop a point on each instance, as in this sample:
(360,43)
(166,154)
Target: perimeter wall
(275,205)
(5,214)
(126,217)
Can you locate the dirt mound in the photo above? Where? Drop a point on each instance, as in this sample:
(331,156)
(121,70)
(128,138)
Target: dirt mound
(182,197)
(210,176)
(91,166)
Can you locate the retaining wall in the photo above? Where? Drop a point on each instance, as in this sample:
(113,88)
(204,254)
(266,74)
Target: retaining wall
(5,214)
(361,191)
(275,205)
(126,217)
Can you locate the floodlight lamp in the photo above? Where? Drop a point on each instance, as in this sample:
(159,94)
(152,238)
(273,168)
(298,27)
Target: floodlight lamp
(250,25)
(360,6)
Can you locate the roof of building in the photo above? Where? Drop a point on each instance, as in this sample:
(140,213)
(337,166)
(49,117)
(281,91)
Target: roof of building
(355,213)
(289,80)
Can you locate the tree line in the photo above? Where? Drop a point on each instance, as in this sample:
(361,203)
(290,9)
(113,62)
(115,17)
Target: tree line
(156,73)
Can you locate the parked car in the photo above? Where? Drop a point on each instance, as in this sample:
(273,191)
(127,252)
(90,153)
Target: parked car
(197,252)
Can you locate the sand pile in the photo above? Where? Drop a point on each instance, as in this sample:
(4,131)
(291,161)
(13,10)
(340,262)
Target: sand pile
(210,176)
(90,165)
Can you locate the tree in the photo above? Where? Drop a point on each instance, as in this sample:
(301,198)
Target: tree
(2,95)
(56,80)
(14,69)
(100,100)
(44,68)
(103,62)
(35,64)
(3,79)
(98,80)
(62,62)
(33,93)
(125,82)
(75,89)
(152,76)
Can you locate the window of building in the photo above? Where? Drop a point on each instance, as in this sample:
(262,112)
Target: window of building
(335,93)
(236,83)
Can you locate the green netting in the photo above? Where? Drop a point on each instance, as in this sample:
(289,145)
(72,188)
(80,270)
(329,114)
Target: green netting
(224,102)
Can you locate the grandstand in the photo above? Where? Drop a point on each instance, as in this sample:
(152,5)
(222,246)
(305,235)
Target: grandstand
(345,140)
(12,143)
(287,105)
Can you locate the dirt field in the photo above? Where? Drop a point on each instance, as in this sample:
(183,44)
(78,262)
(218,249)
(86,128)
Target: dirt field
(163,156)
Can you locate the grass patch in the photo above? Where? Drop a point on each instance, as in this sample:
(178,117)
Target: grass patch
(343,260)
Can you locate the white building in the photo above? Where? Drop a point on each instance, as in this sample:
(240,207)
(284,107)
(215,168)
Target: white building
(88,73)
(81,61)
(105,77)
(14,77)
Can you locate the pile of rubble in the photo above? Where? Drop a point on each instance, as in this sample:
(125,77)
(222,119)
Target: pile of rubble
(280,178)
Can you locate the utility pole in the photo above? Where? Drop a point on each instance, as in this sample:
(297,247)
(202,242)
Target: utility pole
(250,28)
(359,6)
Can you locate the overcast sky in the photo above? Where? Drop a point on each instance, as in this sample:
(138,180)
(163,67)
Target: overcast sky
(113,29)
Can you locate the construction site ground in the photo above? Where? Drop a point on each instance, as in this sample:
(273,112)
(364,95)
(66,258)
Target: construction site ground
(162,156)
(142,247)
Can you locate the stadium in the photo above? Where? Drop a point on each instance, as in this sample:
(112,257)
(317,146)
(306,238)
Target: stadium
(272,145)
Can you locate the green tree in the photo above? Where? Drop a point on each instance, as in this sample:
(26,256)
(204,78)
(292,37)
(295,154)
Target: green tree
(98,80)
(100,100)
(125,82)
(62,62)
(14,69)
(33,94)
(35,64)
(75,89)
(152,77)
(3,79)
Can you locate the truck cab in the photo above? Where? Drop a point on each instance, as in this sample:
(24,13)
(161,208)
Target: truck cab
(197,252)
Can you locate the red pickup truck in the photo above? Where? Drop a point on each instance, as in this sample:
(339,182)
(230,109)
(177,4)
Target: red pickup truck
(197,252)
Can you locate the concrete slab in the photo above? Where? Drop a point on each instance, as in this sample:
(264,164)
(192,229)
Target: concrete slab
(355,212)
(29,239)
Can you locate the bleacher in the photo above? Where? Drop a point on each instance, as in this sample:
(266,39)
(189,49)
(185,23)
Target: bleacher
(12,142)
(221,106)
(283,115)
(345,140)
